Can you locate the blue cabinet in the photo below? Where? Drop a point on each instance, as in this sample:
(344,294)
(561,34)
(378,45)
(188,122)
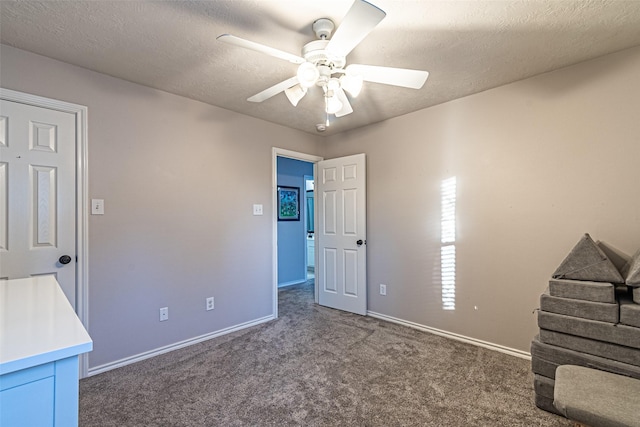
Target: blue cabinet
(40,342)
(45,395)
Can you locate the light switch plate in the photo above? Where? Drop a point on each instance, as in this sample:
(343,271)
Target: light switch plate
(257,209)
(97,207)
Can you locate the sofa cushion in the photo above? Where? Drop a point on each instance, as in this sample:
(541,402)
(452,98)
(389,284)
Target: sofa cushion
(623,335)
(633,275)
(586,261)
(597,398)
(587,346)
(629,311)
(578,308)
(583,290)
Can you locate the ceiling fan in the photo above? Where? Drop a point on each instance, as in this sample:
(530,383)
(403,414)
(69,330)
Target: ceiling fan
(323,62)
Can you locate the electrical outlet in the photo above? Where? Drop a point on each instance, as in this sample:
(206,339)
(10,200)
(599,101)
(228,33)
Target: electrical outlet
(164,314)
(383,289)
(210,305)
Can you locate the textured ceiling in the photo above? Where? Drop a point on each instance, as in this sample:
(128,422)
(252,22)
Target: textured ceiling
(467,46)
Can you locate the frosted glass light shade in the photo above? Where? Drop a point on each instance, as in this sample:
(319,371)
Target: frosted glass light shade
(307,74)
(333,104)
(352,84)
(295,94)
(333,84)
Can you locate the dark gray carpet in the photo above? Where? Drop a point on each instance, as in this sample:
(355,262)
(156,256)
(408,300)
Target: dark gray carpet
(318,367)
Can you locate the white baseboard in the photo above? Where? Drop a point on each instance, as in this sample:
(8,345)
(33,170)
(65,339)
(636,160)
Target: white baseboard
(158,351)
(291,283)
(491,346)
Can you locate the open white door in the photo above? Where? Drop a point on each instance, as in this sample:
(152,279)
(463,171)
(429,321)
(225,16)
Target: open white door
(341,235)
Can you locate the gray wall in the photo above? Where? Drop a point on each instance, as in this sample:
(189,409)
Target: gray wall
(179,179)
(538,163)
(292,236)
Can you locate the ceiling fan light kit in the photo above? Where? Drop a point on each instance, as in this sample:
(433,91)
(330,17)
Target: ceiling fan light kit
(308,74)
(323,62)
(333,104)
(352,83)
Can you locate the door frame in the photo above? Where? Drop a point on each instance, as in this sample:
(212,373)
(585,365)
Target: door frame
(275,153)
(82,197)
(306,178)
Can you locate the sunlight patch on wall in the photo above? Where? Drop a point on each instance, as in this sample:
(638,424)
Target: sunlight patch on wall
(448,239)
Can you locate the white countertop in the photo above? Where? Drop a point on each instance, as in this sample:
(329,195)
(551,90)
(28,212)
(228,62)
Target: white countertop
(37,324)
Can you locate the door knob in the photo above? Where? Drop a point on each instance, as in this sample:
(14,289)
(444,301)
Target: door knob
(64,259)
(359,242)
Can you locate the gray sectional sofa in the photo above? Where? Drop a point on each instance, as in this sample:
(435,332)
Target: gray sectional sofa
(589,316)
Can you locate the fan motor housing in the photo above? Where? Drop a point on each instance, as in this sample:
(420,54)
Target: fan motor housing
(316,53)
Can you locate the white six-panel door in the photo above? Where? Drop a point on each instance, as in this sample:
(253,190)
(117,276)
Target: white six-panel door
(37,193)
(341,233)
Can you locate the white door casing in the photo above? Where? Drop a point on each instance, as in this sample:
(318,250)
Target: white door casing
(341,233)
(37,194)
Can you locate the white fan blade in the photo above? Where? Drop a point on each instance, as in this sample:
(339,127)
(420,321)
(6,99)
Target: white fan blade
(274,90)
(237,41)
(413,79)
(346,106)
(357,23)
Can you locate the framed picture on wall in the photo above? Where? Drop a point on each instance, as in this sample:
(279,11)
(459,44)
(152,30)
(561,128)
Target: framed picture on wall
(288,203)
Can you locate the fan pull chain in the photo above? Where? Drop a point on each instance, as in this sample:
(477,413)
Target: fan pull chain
(326,104)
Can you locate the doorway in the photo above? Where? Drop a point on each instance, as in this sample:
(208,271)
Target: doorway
(293,220)
(279,153)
